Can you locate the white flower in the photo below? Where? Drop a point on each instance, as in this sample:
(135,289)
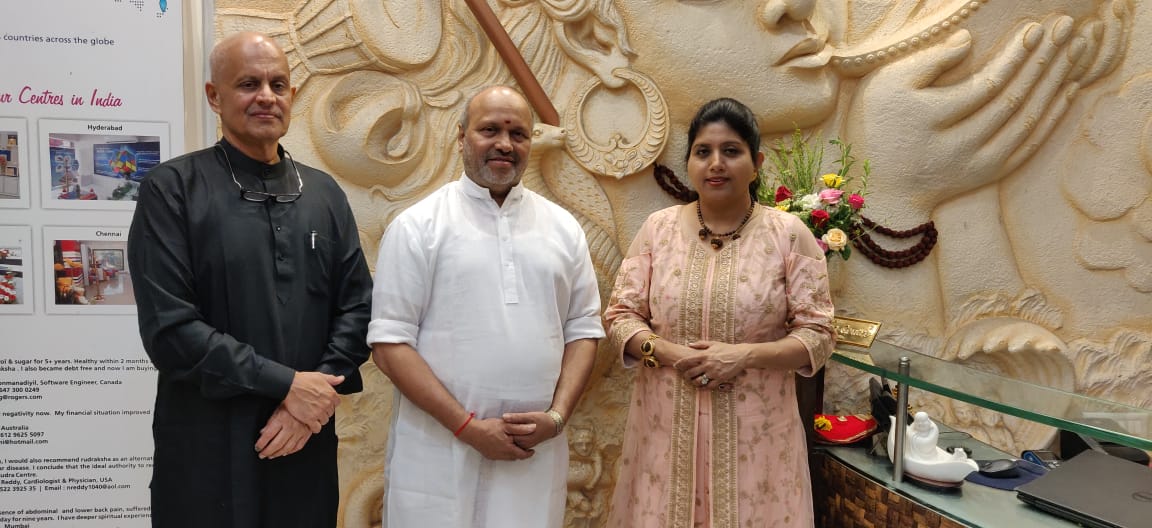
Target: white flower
(810,202)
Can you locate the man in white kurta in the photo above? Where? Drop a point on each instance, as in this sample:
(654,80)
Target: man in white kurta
(485,315)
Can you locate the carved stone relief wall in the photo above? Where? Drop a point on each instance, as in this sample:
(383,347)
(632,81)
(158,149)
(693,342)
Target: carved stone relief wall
(1022,129)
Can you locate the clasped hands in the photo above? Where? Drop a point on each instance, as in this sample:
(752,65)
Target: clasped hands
(511,436)
(310,404)
(708,364)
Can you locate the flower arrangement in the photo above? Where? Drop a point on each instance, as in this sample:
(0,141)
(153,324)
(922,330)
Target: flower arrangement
(830,204)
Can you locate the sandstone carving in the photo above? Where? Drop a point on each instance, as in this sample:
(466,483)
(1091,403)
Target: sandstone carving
(1019,128)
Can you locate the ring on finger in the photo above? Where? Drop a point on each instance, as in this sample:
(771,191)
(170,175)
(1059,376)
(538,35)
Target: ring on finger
(704,380)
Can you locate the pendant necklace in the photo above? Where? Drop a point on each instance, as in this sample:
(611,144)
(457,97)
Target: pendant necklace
(717,239)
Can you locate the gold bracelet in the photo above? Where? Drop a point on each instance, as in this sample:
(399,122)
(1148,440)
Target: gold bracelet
(648,349)
(556,419)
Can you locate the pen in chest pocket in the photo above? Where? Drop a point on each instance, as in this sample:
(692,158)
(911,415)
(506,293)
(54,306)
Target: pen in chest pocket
(312,238)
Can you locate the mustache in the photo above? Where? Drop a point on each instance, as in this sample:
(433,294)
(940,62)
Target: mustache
(274,113)
(495,155)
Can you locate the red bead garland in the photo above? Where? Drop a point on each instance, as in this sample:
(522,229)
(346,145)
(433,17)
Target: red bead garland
(894,259)
(672,185)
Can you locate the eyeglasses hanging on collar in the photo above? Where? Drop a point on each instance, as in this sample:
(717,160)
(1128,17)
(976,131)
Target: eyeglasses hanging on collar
(261,196)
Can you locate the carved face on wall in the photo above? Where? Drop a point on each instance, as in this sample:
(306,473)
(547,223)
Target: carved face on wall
(769,54)
(582,442)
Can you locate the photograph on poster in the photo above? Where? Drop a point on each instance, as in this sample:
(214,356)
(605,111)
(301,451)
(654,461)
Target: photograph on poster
(13,163)
(89,271)
(15,284)
(98,165)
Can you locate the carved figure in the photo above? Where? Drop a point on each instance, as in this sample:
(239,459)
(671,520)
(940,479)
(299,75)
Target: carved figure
(951,100)
(924,459)
(585,468)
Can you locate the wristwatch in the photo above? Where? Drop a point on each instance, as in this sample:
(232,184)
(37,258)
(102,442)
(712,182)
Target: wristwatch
(648,349)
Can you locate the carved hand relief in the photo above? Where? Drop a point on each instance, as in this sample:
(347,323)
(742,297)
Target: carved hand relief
(1117,233)
(996,119)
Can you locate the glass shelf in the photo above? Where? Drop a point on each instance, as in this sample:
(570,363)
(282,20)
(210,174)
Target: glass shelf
(970,505)
(1100,419)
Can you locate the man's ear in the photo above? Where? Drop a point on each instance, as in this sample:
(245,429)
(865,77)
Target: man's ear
(213,96)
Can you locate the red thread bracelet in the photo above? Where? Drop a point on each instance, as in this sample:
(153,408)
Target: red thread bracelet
(471,415)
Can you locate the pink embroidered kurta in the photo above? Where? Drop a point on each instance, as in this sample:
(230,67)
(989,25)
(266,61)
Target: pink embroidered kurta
(730,456)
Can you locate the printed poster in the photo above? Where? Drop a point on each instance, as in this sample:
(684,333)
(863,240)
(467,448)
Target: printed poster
(91,100)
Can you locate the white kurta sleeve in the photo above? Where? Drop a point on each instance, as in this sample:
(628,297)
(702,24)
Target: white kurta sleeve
(583,321)
(402,285)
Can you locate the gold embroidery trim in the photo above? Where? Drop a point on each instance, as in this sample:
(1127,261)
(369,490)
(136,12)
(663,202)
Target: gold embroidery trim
(681,494)
(725,498)
(622,330)
(722,327)
(682,452)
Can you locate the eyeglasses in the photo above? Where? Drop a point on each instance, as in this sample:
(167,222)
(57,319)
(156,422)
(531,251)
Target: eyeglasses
(261,196)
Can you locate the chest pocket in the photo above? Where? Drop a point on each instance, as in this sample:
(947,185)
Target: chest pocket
(320,255)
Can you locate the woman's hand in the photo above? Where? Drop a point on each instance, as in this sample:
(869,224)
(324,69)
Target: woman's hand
(669,353)
(719,362)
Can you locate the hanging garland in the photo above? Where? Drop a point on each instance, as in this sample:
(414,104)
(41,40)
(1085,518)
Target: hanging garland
(895,259)
(861,240)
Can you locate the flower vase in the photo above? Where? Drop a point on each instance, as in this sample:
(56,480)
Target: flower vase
(837,273)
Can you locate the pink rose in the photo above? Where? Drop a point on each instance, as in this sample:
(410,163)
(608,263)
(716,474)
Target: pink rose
(782,193)
(819,217)
(855,201)
(831,196)
(822,245)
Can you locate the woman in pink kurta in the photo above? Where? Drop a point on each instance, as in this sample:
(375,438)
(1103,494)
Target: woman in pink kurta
(722,300)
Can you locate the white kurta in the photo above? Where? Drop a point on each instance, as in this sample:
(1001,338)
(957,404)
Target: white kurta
(488,296)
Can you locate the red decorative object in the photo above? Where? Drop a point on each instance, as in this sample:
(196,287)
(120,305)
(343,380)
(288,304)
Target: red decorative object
(833,429)
(895,259)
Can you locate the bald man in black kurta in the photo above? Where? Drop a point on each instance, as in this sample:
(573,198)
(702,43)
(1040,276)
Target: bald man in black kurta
(253,298)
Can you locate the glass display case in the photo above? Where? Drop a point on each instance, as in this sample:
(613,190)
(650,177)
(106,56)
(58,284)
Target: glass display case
(846,469)
(1100,419)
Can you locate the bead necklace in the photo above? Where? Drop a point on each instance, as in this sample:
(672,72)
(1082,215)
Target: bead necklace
(895,259)
(717,241)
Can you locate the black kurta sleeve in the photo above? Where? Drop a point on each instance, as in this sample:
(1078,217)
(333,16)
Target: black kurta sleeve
(181,344)
(351,310)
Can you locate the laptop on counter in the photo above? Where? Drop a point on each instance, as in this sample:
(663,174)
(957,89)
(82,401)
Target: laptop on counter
(1096,490)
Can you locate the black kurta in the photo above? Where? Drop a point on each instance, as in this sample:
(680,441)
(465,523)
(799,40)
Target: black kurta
(233,298)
